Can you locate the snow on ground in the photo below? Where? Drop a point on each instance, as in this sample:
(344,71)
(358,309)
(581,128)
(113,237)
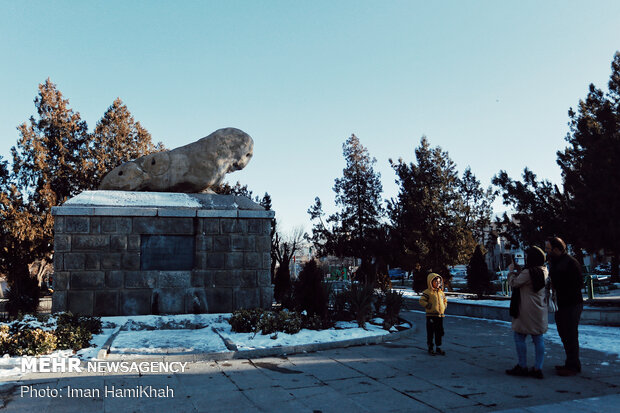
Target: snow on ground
(157,335)
(343,331)
(186,333)
(205,340)
(11,366)
(487,303)
(178,334)
(159,342)
(600,338)
(407,293)
(451,299)
(33,322)
(153,322)
(96,344)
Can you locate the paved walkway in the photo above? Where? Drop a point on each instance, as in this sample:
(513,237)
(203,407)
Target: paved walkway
(397,376)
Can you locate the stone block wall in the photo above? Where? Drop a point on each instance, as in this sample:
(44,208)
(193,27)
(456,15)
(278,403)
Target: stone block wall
(98,261)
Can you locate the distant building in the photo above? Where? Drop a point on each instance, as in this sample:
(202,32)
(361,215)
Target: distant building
(500,251)
(501,254)
(339,268)
(303,254)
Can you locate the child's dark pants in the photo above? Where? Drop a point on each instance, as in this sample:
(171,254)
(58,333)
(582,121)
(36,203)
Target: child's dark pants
(434,327)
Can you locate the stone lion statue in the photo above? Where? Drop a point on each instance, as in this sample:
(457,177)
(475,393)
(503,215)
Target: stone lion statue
(192,168)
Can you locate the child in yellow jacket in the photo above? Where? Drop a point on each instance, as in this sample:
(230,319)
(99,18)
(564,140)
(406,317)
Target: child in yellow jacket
(434,301)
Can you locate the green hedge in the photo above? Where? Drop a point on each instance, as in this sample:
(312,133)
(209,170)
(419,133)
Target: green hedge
(266,322)
(32,337)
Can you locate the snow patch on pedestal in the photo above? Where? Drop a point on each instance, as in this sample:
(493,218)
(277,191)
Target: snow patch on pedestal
(133,199)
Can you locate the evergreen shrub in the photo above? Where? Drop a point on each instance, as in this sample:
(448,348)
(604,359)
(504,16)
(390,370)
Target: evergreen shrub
(265,321)
(33,342)
(393,304)
(23,296)
(73,337)
(290,322)
(88,323)
(245,320)
(383,282)
(478,275)
(360,301)
(314,322)
(309,293)
(30,336)
(283,285)
(18,339)
(379,303)
(341,306)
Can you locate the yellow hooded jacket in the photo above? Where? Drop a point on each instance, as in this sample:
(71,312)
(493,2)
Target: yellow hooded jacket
(434,300)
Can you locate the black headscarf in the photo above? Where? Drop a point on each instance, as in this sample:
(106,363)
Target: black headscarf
(534,262)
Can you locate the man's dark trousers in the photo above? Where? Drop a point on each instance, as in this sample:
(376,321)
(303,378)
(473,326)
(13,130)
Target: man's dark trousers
(567,322)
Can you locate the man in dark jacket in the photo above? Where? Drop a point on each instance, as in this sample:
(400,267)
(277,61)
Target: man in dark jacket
(567,281)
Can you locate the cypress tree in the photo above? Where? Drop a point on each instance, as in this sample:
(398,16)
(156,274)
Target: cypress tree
(282,287)
(53,160)
(265,202)
(309,292)
(117,138)
(478,274)
(477,205)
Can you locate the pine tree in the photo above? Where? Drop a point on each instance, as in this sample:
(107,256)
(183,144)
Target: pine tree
(22,227)
(48,158)
(53,160)
(47,169)
(353,230)
(358,196)
(428,214)
(589,168)
(477,205)
(265,202)
(325,231)
(117,138)
(237,190)
(540,209)
(478,274)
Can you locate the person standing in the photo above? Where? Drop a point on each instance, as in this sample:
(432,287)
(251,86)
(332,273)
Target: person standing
(530,317)
(567,282)
(434,301)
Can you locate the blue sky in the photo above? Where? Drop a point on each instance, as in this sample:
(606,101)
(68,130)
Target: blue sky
(490,82)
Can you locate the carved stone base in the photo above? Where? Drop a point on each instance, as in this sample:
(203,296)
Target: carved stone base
(126,253)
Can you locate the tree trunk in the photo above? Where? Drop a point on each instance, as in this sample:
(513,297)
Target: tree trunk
(274,261)
(24,291)
(44,268)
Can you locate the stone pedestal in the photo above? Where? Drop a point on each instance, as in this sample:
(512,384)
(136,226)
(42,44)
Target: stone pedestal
(128,253)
